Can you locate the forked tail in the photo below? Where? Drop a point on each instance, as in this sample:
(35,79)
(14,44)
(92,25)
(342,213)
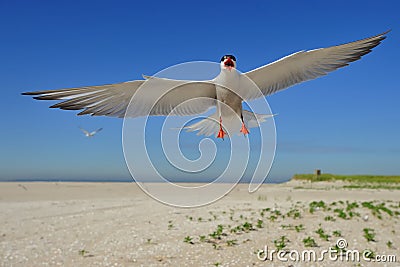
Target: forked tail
(210,125)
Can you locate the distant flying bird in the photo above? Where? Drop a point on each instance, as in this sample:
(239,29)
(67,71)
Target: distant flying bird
(226,91)
(90,134)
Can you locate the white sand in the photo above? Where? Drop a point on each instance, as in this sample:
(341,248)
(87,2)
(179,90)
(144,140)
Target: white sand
(117,224)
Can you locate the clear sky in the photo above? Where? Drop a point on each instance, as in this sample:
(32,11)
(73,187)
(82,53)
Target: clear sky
(346,122)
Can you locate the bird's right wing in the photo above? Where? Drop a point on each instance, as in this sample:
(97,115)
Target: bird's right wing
(96,131)
(157,96)
(306,65)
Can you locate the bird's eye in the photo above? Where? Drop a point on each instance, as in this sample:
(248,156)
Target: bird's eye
(228,56)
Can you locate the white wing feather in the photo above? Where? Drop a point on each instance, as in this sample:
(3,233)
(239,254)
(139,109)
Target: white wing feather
(96,131)
(84,131)
(156,98)
(307,65)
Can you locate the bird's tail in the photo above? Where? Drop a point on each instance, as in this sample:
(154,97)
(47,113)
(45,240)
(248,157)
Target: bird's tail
(210,125)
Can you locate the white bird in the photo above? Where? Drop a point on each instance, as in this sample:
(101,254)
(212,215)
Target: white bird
(226,91)
(90,134)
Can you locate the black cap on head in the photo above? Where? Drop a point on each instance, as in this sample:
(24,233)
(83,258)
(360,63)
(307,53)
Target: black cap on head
(228,56)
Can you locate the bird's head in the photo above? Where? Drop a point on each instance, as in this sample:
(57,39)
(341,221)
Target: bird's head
(228,62)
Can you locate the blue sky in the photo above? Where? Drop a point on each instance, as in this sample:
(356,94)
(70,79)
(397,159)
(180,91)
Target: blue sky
(346,122)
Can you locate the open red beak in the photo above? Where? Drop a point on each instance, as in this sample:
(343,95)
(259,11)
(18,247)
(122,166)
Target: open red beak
(229,63)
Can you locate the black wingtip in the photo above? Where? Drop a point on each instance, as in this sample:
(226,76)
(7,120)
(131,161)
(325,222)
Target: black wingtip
(28,93)
(383,35)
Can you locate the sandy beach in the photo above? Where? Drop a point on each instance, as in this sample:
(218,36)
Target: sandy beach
(117,224)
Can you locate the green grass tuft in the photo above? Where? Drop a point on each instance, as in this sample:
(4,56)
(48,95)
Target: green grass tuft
(348,178)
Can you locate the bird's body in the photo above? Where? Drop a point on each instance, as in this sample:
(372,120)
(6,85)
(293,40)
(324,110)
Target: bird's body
(90,134)
(229,104)
(228,82)
(226,92)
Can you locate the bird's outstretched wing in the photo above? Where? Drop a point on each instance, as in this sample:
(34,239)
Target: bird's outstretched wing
(158,96)
(307,65)
(84,131)
(96,131)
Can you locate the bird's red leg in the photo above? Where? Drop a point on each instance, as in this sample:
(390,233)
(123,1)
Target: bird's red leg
(221,132)
(244,129)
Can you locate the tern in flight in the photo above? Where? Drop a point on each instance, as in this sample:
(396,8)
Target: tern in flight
(90,134)
(226,92)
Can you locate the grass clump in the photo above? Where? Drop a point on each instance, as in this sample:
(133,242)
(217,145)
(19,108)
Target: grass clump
(340,213)
(299,228)
(369,234)
(322,234)
(337,233)
(294,213)
(309,242)
(231,243)
(329,218)
(376,209)
(247,227)
(316,205)
(188,240)
(281,243)
(217,233)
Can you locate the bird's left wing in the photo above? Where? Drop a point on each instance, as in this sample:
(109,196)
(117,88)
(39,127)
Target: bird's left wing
(307,65)
(84,131)
(158,96)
